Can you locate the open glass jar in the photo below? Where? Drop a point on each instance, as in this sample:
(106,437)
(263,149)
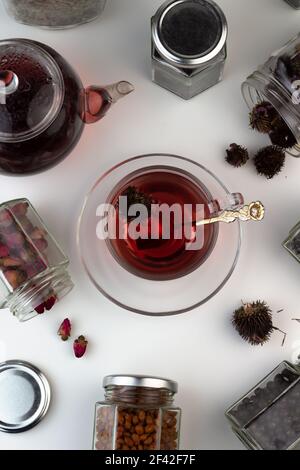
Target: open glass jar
(54,14)
(33,269)
(277,82)
(138,414)
(268,417)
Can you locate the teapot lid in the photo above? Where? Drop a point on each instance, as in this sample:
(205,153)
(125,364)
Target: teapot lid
(31,90)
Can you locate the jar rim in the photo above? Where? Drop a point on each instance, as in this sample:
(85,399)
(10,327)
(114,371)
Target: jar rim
(141,381)
(180,60)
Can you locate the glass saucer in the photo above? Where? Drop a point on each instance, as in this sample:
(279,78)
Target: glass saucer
(157,297)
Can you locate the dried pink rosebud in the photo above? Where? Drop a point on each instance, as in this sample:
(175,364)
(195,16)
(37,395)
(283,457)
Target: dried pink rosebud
(41,244)
(49,304)
(4,251)
(38,234)
(15,277)
(6,219)
(80,346)
(20,208)
(40,309)
(10,262)
(65,330)
(15,240)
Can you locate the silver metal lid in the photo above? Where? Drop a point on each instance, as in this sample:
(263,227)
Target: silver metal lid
(188,33)
(24,396)
(140,381)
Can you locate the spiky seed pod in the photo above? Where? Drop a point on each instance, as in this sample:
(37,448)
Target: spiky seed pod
(263,117)
(237,155)
(253,322)
(282,136)
(269,161)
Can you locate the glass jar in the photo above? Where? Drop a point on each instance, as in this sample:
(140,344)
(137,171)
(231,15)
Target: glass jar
(268,417)
(33,269)
(54,14)
(294,3)
(138,414)
(292,243)
(188,46)
(277,82)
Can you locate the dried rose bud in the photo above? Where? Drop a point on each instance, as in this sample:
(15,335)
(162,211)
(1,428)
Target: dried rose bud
(6,218)
(20,209)
(65,330)
(15,240)
(41,244)
(10,262)
(15,277)
(38,234)
(40,309)
(80,346)
(4,251)
(49,304)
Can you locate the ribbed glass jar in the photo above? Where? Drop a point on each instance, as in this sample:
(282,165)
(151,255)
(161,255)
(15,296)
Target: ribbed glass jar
(55,14)
(138,414)
(33,269)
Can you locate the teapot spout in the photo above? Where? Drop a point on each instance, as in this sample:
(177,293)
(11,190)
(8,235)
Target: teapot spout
(119,90)
(96,101)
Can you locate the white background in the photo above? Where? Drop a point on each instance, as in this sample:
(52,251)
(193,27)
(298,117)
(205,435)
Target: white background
(200,350)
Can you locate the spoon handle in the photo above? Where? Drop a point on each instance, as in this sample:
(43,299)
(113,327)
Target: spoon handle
(254,211)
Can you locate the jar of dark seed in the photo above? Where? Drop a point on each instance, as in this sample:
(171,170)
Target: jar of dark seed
(292,243)
(188,46)
(294,3)
(268,417)
(276,87)
(54,14)
(33,269)
(138,414)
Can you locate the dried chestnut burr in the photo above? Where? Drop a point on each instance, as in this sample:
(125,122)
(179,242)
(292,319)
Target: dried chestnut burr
(269,161)
(272,94)
(138,414)
(33,269)
(237,155)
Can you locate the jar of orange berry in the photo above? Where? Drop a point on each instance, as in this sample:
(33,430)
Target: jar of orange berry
(138,414)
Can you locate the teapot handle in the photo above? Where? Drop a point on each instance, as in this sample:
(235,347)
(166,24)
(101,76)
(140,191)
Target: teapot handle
(96,101)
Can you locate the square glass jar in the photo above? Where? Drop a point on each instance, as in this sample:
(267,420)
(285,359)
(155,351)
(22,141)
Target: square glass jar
(54,14)
(292,243)
(268,417)
(138,414)
(185,58)
(33,268)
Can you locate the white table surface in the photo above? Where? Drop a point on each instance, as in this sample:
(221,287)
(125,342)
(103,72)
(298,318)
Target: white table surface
(200,349)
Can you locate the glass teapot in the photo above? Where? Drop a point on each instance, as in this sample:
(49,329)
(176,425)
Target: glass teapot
(44,106)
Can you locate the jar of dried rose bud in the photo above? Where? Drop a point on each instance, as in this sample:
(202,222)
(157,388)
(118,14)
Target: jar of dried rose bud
(138,414)
(275,88)
(33,269)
